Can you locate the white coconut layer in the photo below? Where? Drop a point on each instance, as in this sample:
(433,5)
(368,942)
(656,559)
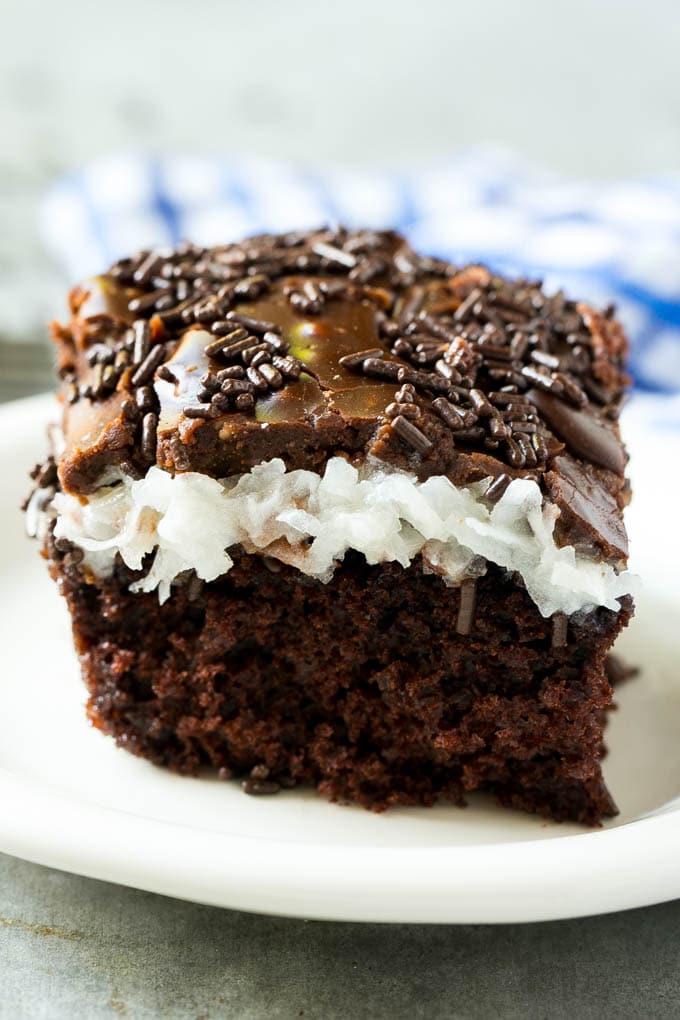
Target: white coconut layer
(190,521)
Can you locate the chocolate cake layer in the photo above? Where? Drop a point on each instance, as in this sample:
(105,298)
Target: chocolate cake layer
(361,687)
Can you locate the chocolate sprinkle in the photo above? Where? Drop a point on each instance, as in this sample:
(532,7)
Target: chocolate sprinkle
(483,354)
(288,366)
(497,488)
(258,326)
(142,340)
(411,434)
(455,417)
(166,373)
(149,423)
(244,402)
(271,375)
(356,361)
(199,412)
(145,398)
(382,369)
(408,410)
(468,602)
(257,379)
(260,787)
(559,630)
(147,368)
(131,469)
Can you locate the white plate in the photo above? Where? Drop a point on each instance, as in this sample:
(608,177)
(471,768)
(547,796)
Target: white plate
(72,800)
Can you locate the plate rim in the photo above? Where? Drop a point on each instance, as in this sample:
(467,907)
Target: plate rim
(596,871)
(565,876)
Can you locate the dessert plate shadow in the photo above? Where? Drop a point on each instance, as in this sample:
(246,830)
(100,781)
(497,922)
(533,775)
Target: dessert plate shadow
(73,800)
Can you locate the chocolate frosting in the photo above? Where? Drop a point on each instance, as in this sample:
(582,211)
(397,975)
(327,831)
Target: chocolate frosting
(305,345)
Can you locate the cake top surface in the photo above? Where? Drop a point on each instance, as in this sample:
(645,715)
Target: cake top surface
(306,345)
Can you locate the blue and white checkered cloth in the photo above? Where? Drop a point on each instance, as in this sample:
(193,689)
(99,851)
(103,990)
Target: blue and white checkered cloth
(602,241)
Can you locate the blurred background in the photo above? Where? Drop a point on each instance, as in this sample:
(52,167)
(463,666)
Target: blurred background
(581,90)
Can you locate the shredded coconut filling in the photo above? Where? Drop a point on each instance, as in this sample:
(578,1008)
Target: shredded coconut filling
(310,521)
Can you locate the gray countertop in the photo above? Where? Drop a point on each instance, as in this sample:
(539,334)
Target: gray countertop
(72,947)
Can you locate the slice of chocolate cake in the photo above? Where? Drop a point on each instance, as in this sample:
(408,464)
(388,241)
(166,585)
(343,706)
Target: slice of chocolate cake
(328,511)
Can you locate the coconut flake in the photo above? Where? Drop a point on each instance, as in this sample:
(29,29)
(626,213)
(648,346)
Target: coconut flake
(189,521)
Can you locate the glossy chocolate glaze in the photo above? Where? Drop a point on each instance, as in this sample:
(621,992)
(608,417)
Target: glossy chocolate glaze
(319,343)
(329,409)
(332,405)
